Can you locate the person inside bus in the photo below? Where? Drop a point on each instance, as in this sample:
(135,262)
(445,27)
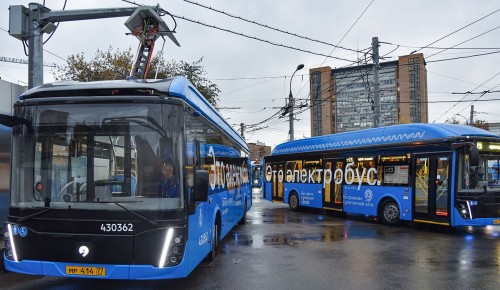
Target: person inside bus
(169,183)
(477,176)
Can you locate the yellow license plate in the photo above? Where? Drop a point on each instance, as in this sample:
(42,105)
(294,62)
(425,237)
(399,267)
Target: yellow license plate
(496,222)
(85,271)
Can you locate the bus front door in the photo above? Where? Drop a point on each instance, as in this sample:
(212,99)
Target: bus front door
(332,191)
(432,199)
(277,181)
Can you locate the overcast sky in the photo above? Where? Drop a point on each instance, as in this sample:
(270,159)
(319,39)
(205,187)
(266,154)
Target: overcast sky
(254,76)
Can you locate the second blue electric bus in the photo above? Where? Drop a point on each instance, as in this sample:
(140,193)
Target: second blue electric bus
(429,173)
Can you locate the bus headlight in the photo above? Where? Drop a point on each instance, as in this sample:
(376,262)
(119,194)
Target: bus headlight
(173,249)
(10,247)
(464,210)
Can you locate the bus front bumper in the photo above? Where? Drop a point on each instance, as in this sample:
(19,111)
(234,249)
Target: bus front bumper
(95,271)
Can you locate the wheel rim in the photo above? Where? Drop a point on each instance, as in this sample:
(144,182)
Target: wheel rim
(391,212)
(293,201)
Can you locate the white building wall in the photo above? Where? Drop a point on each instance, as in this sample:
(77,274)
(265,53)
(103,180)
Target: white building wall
(9,94)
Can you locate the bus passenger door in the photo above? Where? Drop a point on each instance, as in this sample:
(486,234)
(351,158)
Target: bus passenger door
(277,180)
(332,191)
(432,198)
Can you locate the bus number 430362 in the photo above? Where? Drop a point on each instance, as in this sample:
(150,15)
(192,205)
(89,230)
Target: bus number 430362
(117,227)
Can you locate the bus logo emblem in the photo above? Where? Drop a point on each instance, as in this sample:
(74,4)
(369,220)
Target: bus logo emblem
(368,195)
(84,251)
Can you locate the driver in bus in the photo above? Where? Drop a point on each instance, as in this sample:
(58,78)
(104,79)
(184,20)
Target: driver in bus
(169,183)
(477,176)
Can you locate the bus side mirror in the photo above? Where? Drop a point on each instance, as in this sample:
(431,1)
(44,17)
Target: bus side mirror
(10,121)
(473,156)
(200,188)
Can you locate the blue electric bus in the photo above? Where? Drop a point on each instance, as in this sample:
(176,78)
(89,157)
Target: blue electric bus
(256,175)
(428,173)
(136,179)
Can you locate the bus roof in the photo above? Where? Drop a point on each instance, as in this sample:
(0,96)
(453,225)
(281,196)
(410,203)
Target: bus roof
(407,133)
(178,87)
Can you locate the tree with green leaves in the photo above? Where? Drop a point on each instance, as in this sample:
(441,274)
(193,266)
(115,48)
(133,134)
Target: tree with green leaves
(112,65)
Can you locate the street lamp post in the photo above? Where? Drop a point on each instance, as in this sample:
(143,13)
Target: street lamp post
(290,101)
(466,121)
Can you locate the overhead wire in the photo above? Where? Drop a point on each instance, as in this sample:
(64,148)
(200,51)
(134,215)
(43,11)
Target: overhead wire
(493,29)
(272,43)
(447,48)
(261,40)
(399,65)
(269,27)
(457,102)
(350,28)
(463,57)
(449,34)
(328,56)
(345,34)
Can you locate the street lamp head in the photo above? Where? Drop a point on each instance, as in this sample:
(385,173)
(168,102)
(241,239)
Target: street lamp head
(300,66)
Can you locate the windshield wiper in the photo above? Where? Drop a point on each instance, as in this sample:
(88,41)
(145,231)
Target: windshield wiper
(147,122)
(27,218)
(144,218)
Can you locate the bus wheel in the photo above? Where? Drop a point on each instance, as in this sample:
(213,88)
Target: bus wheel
(215,242)
(389,213)
(293,201)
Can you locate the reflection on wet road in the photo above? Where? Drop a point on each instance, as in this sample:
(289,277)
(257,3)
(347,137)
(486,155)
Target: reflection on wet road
(281,249)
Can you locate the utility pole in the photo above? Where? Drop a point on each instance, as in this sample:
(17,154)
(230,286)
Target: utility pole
(31,23)
(376,92)
(471,115)
(242,130)
(291,102)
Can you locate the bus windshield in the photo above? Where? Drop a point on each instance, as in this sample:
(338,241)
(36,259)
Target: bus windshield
(98,156)
(483,176)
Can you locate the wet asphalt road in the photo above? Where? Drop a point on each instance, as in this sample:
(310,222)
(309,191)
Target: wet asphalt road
(281,249)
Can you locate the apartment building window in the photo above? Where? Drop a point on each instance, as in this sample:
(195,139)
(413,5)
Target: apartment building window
(414,82)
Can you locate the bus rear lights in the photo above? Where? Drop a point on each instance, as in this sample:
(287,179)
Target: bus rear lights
(9,239)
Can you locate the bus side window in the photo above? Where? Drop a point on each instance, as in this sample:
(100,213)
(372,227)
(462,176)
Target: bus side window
(310,166)
(361,167)
(394,170)
(291,167)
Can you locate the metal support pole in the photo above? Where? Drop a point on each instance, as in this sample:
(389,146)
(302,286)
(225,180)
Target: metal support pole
(376,93)
(35,50)
(471,115)
(290,105)
(291,102)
